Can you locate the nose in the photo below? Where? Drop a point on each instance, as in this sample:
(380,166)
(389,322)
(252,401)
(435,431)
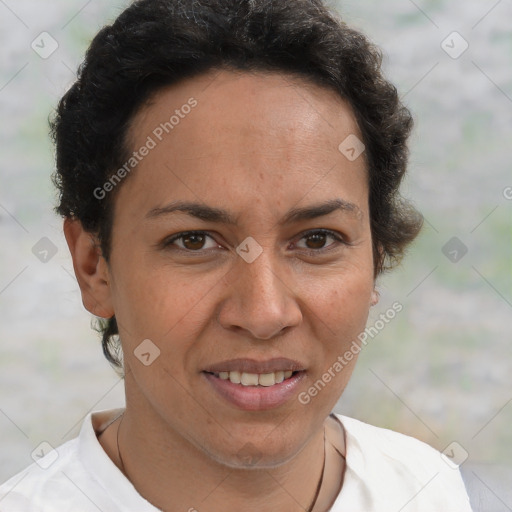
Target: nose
(261,298)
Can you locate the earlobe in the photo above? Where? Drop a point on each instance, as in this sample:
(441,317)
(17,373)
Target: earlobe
(91,269)
(375,297)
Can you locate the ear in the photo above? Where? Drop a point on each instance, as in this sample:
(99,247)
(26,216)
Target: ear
(380,256)
(375,297)
(91,269)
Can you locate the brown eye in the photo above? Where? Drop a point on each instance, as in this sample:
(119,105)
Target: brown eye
(193,241)
(315,241)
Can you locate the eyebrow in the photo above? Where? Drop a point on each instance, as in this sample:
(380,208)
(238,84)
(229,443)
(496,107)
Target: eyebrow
(210,214)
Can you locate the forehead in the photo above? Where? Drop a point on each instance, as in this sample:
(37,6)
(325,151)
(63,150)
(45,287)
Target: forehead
(271,135)
(258,103)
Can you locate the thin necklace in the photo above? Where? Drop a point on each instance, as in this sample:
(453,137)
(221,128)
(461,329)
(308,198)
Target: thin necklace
(123,469)
(309,509)
(319,486)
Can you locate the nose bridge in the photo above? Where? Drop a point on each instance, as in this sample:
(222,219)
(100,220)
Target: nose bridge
(263,272)
(260,281)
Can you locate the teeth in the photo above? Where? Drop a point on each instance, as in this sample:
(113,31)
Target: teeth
(255,379)
(249,379)
(267,379)
(235,377)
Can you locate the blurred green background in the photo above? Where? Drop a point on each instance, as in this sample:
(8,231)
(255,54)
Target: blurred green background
(440,371)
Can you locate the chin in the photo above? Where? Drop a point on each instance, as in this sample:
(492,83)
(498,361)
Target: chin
(248,452)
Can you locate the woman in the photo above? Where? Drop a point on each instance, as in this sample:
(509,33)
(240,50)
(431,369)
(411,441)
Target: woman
(228,174)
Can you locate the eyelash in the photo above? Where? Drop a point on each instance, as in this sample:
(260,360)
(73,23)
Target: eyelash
(307,234)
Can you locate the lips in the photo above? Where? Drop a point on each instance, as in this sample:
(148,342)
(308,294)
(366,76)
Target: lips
(255,385)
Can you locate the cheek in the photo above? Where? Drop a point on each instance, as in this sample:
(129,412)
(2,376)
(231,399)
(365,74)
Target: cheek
(169,304)
(162,303)
(341,304)
(339,312)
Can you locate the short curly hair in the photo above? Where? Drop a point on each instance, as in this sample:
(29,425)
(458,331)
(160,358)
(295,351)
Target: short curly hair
(157,43)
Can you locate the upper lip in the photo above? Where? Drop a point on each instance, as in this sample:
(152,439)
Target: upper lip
(254,366)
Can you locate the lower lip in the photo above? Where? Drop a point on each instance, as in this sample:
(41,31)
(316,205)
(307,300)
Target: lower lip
(256,398)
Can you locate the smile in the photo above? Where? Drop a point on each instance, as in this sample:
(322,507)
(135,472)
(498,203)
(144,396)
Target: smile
(250,391)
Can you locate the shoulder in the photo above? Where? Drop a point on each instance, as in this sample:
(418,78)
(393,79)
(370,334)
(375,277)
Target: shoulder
(397,467)
(75,476)
(394,444)
(27,488)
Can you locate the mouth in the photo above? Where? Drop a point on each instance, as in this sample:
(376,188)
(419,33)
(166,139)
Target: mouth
(255,386)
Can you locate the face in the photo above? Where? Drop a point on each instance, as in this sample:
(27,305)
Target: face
(270,273)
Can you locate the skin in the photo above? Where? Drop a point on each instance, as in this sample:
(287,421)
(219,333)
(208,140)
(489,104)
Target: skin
(210,305)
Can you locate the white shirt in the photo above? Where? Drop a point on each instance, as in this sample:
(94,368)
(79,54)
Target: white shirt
(385,472)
